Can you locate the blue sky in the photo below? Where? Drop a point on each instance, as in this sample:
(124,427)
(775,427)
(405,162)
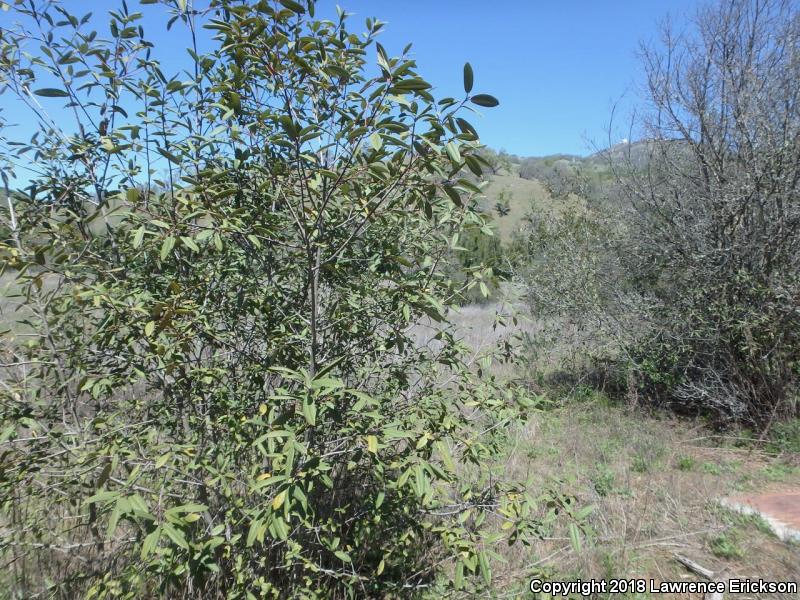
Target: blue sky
(557,67)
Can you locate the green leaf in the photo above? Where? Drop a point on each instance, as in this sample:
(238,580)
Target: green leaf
(375,141)
(190,243)
(169,156)
(189,508)
(167,246)
(325,384)
(575,537)
(453,153)
(310,412)
(293,6)
(422,485)
(379,169)
(51,93)
(342,556)
(474,165)
(175,535)
(468,185)
(453,194)
(138,237)
(252,533)
(161,460)
(413,84)
(101,496)
(486,571)
(458,580)
(279,528)
(468,77)
(465,127)
(269,481)
(150,542)
(288,126)
(447,458)
(113,520)
(485,100)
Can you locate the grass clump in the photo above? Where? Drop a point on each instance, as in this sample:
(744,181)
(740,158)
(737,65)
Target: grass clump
(726,545)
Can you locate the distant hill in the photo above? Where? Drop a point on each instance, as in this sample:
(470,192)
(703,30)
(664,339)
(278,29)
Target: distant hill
(540,185)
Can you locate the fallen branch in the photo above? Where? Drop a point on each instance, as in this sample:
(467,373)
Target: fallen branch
(703,572)
(694,567)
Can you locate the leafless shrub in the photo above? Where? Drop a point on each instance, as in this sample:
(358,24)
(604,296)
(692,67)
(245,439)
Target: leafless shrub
(716,211)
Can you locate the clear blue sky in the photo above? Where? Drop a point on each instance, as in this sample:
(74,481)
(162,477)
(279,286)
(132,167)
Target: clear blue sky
(556,67)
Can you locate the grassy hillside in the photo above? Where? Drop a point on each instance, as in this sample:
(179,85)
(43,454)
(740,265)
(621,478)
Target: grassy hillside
(521,197)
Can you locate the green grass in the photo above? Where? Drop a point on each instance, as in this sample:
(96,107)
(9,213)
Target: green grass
(647,455)
(727,545)
(785,437)
(604,480)
(779,472)
(745,521)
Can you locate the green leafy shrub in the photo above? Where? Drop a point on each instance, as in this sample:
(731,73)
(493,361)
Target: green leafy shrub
(604,480)
(785,437)
(221,393)
(478,265)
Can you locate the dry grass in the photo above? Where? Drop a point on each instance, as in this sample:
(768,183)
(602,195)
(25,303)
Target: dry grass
(524,196)
(655,482)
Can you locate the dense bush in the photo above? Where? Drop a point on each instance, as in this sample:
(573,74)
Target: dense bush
(478,265)
(214,388)
(716,233)
(577,289)
(697,286)
(560,175)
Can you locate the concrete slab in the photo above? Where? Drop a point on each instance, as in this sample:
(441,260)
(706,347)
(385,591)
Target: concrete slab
(780,509)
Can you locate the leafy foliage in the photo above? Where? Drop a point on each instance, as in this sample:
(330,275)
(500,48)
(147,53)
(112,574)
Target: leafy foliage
(217,388)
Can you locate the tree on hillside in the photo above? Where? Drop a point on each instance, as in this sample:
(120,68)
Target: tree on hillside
(217,386)
(716,248)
